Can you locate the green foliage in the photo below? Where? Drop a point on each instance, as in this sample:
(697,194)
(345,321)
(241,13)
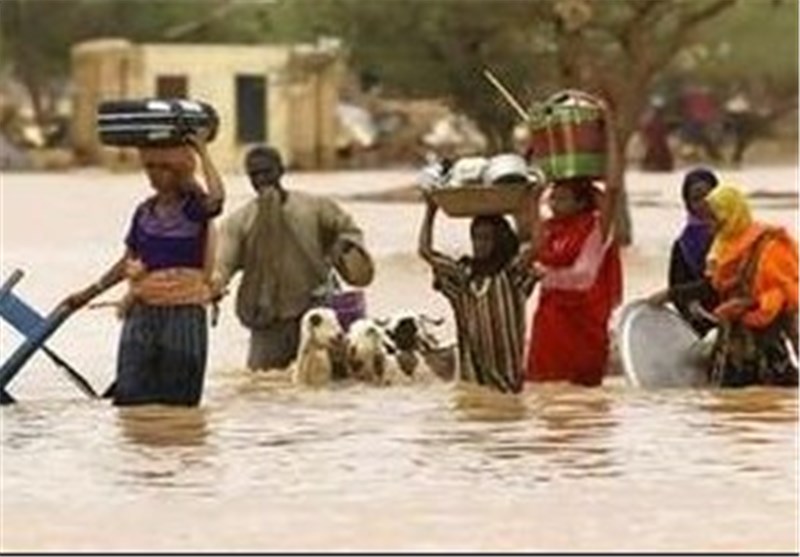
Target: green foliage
(757,38)
(422,48)
(36,35)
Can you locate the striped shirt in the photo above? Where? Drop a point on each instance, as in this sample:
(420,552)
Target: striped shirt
(490,318)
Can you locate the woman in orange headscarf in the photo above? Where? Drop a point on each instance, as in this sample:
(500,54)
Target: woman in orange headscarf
(754,269)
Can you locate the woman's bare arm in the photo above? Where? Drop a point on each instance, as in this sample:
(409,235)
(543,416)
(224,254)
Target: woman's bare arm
(213,181)
(536,224)
(110,278)
(425,248)
(614,173)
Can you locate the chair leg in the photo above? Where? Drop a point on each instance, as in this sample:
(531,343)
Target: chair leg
(6,398)
(109,392)
(79,380)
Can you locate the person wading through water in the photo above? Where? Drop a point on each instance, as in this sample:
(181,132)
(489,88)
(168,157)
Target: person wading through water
(753,267)
(286,244)
(753,270)
(164,342)
(577,257)
(690,289)
(488,293)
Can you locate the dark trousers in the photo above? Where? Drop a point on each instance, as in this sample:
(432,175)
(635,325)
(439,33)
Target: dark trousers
(162,356)
(275,346)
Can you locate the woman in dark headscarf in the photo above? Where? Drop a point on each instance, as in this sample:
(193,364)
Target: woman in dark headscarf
(688,283)
(495,244)
(488,292)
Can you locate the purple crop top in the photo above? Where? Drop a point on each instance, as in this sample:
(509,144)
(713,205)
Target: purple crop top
(175,239)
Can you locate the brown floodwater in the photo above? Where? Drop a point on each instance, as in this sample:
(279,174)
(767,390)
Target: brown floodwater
(262,465)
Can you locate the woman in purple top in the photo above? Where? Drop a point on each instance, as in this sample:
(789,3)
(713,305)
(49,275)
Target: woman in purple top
(163,346)
(689,288)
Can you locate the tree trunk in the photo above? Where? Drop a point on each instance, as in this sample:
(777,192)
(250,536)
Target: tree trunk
(623,225)
(628,108)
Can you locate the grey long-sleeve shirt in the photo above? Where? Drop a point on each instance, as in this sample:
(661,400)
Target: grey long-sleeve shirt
(282,264)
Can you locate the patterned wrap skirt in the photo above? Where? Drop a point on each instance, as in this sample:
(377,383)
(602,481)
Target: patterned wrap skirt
(162,355)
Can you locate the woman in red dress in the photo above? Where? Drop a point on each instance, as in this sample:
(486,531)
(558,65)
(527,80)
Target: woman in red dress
(578,260)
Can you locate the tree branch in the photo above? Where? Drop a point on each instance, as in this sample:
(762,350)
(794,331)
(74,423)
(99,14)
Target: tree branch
(689,22)
(693,20)
(220,12)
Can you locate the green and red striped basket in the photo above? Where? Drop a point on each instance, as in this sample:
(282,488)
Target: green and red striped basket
(568,138)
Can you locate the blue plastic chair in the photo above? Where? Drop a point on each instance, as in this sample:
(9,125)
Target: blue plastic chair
(36,329)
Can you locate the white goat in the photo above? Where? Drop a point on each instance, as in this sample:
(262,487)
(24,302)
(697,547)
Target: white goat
(414,344)
(368,356)
(319,333)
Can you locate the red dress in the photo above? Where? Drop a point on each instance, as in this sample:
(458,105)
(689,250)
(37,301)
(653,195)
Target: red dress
(581,286)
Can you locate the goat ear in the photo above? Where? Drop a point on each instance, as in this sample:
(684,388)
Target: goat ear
(316,320)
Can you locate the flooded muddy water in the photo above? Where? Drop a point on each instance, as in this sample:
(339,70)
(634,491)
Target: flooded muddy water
(263,466)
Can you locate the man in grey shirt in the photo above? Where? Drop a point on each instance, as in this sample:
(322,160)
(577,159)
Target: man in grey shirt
(286,244)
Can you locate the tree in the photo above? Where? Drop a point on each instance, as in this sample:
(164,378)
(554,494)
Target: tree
(616,49)
(36,35)
(620,49)
(420,48)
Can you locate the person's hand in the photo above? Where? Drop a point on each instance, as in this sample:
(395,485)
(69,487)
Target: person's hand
(80,298)
(733,309)
(218,290)
(538,270)
(134,268)
(697,311)
(198,140)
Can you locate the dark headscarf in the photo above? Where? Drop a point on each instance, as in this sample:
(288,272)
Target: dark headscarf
(505,248)
(693,177)
(696,237)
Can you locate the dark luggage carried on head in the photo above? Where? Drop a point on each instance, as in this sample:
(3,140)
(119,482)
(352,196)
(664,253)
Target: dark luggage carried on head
(154,122)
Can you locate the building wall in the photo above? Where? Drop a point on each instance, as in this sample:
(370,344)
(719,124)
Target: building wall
(102,69)
(313,102)
(301,97)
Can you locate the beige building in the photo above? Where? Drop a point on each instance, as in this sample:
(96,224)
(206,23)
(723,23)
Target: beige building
(282,95)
